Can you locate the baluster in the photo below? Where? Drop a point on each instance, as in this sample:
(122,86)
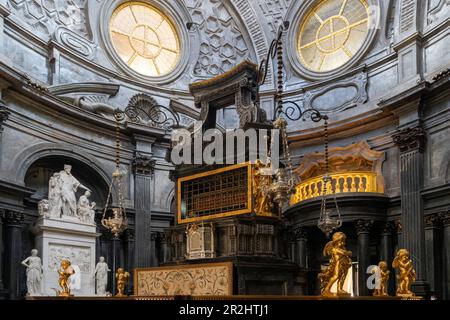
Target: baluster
(316,189)
(346,188)
(353,182)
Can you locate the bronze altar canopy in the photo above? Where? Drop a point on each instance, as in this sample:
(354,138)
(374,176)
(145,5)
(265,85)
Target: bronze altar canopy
(238,87)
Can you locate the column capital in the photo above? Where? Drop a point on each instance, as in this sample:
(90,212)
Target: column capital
(388,228)
(301,233)
(143,164)
(128,235)
(154,235)
(12,218)
(363,226)
(410,139)
(432,220)
(445,218)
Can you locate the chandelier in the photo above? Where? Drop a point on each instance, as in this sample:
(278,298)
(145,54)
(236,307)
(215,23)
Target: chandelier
(284,182)
(327,224)
(117,222)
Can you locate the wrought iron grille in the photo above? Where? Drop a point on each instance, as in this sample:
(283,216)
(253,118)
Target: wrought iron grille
(215,194)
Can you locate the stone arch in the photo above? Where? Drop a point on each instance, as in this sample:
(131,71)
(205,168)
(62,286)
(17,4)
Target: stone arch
(53,157)
(170,199)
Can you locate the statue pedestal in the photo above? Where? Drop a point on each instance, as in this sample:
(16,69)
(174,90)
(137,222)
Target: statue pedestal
(71,239)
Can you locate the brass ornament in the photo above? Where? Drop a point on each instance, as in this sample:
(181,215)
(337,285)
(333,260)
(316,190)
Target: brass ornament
(65,272)
(382,291)
(261,189)
(406,273)
(122,278)
(340,263)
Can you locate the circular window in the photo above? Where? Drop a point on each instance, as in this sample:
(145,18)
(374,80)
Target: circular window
(332,33)
(145,39)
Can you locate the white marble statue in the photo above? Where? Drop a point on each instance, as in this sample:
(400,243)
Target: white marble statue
(86,211)
(34,273)
(44,208)
(54,195)
(101,276)
(69,186)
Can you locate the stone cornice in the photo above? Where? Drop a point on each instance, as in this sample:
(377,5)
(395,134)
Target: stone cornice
(19,85)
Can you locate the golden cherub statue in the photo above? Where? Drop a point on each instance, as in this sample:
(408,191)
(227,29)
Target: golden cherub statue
(340,262)
(384,278)
(64,274)
(261,182)
(122,278)
(406,273)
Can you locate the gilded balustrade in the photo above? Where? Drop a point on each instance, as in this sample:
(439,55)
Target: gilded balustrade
(361,182)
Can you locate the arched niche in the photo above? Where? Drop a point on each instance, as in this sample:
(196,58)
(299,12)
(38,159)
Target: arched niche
(40,171)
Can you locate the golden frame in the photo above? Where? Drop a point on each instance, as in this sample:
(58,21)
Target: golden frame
(218,215)
(228,265)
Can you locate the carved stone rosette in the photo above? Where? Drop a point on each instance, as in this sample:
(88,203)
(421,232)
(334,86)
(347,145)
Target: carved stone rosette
(410,139)
(143,165)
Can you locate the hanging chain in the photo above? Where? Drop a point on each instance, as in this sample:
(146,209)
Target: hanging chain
(280,76)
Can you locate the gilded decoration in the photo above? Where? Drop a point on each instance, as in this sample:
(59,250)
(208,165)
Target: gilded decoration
(215,194)
(354,168)
(340,263)
(406,273)
(214,279)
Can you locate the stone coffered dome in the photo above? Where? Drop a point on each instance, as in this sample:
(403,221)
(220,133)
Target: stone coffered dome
(202,39)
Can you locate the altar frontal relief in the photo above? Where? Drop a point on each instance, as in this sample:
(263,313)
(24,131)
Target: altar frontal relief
(198,280)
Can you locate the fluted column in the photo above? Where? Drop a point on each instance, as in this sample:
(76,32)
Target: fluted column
(301,249)
(2,214)
(363,231)
(154,262)
(387,249)
(446,254)
(13,252)
(164,247)
(129,255)
(432,249)
(143,174)
(399,233)
(411,142)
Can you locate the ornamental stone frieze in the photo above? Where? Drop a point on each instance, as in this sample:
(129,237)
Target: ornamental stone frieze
(410,139)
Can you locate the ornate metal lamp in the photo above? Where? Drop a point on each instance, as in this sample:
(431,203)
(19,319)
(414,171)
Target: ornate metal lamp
(327,224)
(117,223)
(283,184)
